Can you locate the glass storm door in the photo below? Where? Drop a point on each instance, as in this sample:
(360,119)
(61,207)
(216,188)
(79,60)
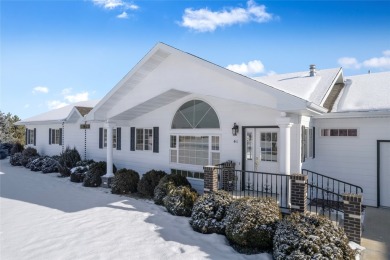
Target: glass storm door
(261,150)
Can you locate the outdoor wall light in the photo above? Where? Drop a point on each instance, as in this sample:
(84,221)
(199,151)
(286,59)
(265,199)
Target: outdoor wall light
(235,129)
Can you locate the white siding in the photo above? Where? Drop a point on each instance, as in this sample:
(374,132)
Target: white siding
(74,137)
(42,140)
(351,159)
(229,112)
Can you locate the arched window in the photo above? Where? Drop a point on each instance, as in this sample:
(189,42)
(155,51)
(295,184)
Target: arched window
(195,114)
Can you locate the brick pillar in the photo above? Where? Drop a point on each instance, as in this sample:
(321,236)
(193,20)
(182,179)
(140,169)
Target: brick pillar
(298,193)
(210,179)
(228,175)
(352,216)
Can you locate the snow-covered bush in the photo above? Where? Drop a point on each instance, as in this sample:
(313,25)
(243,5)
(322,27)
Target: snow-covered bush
(300,236)
(93,176)
(36,164)
(124,181)
(166,184)
(149,181)
(251,224)
(28,155)
(209,211)
(180,200)
(68,160)
(78,173)
(17,148)
(16,159)
(49,165)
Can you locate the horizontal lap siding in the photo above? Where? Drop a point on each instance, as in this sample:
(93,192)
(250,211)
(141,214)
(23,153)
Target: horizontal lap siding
(352,159)
(74,137)
(42,140)
(143,161)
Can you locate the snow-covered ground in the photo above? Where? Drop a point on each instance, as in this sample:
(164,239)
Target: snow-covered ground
(46,217)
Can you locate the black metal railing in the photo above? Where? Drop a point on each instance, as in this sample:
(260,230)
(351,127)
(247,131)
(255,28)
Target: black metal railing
(325,194)
(255,184)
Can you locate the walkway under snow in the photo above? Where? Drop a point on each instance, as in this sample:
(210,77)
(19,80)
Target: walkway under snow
(46,217)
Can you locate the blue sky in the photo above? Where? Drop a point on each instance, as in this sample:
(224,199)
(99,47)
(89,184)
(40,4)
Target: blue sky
(58,52)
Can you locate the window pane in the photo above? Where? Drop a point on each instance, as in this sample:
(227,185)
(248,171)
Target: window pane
(352,132)
(193,150)
(173,141)
(148,139)
(343,132)
(215,143)
(249,146)
(268,146)
(334,132)
(195,114)
(139,139)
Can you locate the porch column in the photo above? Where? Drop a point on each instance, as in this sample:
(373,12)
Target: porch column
(285,125)
(109,126)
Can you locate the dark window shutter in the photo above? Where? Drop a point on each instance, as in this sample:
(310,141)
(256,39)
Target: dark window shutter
(314,142)
(60,136)
(49,135)
(35,136)
(132,139)
(118,138)
(100,138)
(156,139)
(27,136)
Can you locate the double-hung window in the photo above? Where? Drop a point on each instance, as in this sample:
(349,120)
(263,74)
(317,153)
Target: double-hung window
(144,139)
(30,136)
(55,136)
(114,138)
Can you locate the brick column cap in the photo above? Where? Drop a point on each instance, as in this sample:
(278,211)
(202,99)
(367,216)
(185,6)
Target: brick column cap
(353,197)
(298,177)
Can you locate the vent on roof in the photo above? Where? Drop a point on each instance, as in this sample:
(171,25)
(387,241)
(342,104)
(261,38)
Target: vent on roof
(312,70)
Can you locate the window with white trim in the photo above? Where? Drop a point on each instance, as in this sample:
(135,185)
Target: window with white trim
(30,136)
(144,139)
(195,150)
(188,174)
(339,132)
(55,136)
(114,138)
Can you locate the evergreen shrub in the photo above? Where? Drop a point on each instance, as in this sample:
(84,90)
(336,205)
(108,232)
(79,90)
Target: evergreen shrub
(209,211)
(251,224)
(166,184)
(301,236)
(28,155)
(180,200)
(68,159)
(16,159)
(125,181)
(149,181)
(93,176)
(17,148)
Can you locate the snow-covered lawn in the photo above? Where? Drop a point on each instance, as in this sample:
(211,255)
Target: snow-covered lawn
(46,217)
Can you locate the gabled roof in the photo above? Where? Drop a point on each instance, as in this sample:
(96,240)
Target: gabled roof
(67,113)
(367,92)
(301,84)
(167,74)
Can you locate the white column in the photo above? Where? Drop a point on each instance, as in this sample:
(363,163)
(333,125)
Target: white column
(109,126)
(285,125)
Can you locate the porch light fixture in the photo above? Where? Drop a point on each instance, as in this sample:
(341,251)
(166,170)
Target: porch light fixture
(235,129)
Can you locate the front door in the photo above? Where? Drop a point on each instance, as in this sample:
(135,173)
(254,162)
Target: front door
(261,150)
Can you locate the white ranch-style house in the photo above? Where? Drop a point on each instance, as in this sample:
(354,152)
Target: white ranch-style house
(176,112)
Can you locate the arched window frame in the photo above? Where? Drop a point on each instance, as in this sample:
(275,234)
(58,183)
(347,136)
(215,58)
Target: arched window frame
(186,156)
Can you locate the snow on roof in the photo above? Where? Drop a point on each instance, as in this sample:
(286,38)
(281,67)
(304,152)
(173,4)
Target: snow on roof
(367,92)
(59,114)
(302,85)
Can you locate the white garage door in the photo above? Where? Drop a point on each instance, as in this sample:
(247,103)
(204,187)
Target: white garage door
(384,172)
